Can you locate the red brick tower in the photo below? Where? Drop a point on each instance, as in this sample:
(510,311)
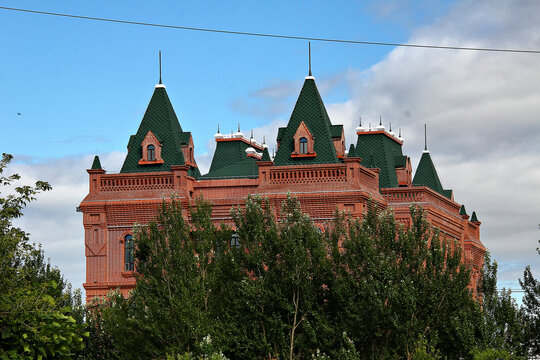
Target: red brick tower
(311,163)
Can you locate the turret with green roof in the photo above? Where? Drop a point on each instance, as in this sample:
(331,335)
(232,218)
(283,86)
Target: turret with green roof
(160,119)
(96,165)
(310,110)
(231,161)
(378,149)
(426,175)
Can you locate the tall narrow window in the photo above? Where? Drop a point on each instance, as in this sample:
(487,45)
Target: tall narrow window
(151,152)
(129,247)
(303,145)
(235,241)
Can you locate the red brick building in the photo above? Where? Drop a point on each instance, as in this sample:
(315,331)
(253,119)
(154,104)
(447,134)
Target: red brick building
(311,162)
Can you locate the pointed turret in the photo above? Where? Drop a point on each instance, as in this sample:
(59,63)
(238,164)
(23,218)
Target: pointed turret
(307,139)
(474,219)
(96,165)
(426,175)
(352,151)
(463,212)
(158,142)
(266,155)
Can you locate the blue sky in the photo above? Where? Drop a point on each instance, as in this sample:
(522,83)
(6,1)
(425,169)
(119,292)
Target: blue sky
(82,87)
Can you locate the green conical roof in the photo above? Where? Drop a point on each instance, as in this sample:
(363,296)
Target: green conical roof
(96,164)
(352,151)
(309,109)
(462,211)
(265,155)
(426,175)
(161,120)
(473,217)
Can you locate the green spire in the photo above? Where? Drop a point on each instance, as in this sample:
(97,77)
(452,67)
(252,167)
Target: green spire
(265,155)
(309,109)
(462,211)
(473,217)
(161,120)
(96,165)
(426,175)
(352,151)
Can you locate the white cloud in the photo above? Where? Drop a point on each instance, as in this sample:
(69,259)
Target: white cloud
(52,220)
(482,112)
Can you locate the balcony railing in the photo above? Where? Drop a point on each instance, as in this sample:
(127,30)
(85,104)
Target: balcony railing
(305,176)
(404,196)
(119,182)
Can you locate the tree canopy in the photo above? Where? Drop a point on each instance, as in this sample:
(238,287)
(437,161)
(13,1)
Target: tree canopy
(280,288)
(35,315)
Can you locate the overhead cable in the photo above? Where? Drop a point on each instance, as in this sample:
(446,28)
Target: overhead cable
(290,37)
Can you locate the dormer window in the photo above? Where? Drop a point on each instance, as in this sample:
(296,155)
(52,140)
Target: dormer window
(151,150)
(303,146)
(151,153)
(303,142)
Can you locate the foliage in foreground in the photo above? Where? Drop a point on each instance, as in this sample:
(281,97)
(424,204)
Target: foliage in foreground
(288,291)
(36,320)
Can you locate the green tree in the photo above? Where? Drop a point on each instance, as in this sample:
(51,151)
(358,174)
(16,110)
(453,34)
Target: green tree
(398,286)
(279,288)
(167,312)
(531,307)
(35,313)
(503,320)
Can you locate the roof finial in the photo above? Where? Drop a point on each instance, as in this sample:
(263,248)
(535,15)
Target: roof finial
(264,139)
(425,137)
(218,128)
(390,127)
(238,127)
(399,132)
(252,133)
(380,120)
(309,44)
(160,67)
(360,124)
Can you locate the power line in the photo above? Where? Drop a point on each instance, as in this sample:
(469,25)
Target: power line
(290,37)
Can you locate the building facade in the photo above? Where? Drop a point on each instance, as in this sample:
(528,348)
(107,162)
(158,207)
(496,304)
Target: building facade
(311,162)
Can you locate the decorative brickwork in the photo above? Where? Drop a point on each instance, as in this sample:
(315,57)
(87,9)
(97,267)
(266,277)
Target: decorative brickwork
(322,176)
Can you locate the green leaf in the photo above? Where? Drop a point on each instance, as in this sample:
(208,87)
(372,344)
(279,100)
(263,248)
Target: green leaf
(6,333)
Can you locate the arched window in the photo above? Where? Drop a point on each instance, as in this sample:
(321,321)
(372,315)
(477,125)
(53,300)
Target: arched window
(129,247)
(151,152)
(303,145)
